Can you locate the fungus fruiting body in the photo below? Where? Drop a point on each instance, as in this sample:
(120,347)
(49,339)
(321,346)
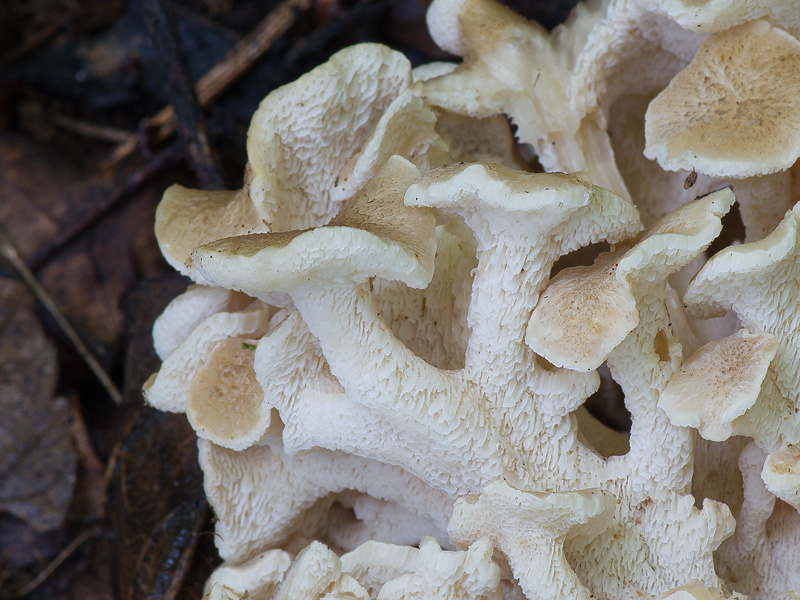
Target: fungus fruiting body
(397,322)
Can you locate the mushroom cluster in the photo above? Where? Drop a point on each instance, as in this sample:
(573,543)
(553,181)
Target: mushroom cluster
(397,322)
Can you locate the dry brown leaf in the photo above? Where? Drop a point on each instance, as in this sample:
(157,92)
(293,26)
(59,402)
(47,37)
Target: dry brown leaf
(37,460)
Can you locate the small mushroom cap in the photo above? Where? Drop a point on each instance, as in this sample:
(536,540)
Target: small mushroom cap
(167,389)
(394,572)
(373,235)
(407,128)
(719,383)
(590,335)
(531,528)
(188,310)
(586,312)
(187,218)
(742,278)
(706,16)
(547,196)
(733,111)
(224,402)
(317,573)
(305,132)
(560,514)
(257,577)
(781,474)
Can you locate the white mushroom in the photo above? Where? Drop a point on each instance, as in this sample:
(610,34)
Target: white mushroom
(732,113)
(403,343)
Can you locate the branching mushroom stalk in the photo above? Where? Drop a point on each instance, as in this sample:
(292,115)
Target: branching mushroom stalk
(395,358)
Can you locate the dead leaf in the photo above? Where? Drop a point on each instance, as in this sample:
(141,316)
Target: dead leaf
(44,196)
(90,275)
(88,501)
(166,560)
(21,546)
(156,502)
(157,506)
(37,461)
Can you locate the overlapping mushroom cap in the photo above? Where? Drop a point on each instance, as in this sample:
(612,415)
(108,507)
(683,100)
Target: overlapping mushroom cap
(398,324)
(733,111)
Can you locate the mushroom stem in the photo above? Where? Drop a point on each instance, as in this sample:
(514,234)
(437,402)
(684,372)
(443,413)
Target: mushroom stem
(435,408)
(746,551)
(531,529)
(239,484)
(507,284)
(587,149)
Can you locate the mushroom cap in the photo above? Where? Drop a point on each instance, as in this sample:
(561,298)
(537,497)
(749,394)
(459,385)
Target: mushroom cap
(224,401)
(733,111)
(185,312)
(407,128)
(781,474)
(531,528)
(743,277)
(257,577)
(719,383)
(394,572)
(512,195)
(716,15)
(589,335)
(555,516)
(373,235)
(305,132)
(694,590)
(187,218)
(167,389)
(586,312)
(317,573)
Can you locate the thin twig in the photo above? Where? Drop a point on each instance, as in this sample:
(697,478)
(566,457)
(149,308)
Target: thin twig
(232,66)
(34,41)
(349,19)
(91,130)
(191,123)
(9,251)
(49,569)
(141,175)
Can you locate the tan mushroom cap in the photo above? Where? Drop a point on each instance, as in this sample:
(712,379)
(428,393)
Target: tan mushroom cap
(224,402)
(586,312)
(781,474)
(373,234)
(563,331)
(548,196)
(167,389)
(187,218)
(734,110)
(305,132)
(705,16)
(760,282)
(719,383)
